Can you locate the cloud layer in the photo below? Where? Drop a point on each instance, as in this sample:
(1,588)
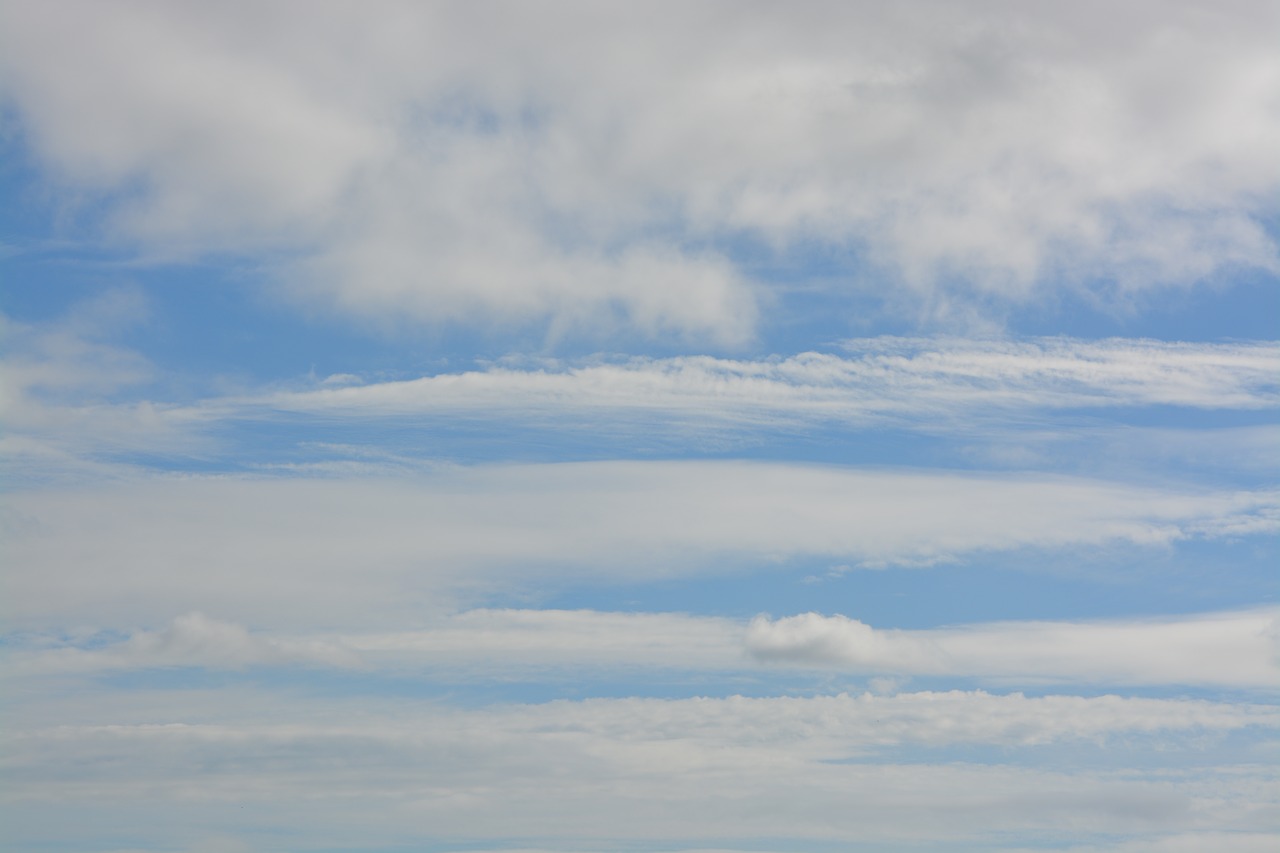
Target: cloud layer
(256,549)
(1237,650)
(651,769)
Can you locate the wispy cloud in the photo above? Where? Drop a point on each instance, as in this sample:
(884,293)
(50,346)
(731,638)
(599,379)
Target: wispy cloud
(883,379)
(68,391)
(191,640)
(951,387)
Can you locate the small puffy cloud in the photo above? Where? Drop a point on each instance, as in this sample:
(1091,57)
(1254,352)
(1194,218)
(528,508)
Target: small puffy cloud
(1239,649)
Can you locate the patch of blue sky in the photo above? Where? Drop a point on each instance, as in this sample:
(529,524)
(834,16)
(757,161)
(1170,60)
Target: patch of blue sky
(497,684)
(1139,443)
(1244,306)
(1113,582)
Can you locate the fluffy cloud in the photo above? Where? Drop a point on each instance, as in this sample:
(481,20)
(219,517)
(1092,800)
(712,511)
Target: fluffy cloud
(593,169)
(1231,649)
(334,551)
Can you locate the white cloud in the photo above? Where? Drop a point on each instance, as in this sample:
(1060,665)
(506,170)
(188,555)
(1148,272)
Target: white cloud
(710,730)
(895,379)
(487,640)
(65,358)
(189,640)
(334,551)
(559,165)
(644,769)
(1229,649)
(1191,842)
(472,643)
(63,389)
(1235,649)
(61,384)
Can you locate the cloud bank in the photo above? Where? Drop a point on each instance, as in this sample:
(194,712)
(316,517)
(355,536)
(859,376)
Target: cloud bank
(592,171)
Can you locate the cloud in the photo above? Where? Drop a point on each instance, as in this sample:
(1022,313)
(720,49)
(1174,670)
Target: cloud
(1229,649)
(485,640)
(67,359)
(593,171)
(1191,842)
(69,394)
(806,729)
(335,550)
(885,379)
(474,643)
(191,640)
(643,770)
(1235,649)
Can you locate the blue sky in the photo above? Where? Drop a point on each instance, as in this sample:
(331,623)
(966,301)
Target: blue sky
(565,427)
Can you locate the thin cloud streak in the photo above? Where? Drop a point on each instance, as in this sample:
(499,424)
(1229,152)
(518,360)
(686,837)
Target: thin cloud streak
(53,407)
(886,379)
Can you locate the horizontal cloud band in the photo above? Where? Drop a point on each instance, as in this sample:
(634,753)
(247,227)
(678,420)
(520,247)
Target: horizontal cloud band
(1228,650)
(253,549)
(1236,649)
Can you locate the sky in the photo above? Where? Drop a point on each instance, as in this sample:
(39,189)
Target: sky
(639,427)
